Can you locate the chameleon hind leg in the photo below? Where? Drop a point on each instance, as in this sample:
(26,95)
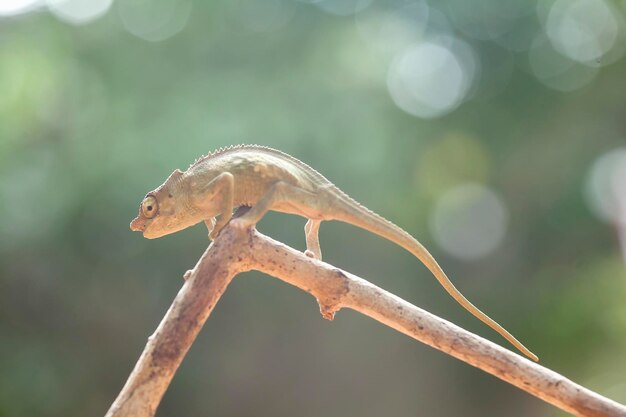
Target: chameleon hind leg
(311,229)
(285,197)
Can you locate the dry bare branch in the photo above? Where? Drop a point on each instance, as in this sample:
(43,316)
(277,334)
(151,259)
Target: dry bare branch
(238,249)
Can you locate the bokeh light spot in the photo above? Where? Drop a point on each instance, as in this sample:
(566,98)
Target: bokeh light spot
(469,221)
(582,30)
(429,79)
(79,12)
(605,190)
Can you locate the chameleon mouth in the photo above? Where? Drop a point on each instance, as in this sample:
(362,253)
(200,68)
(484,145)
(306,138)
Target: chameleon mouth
(141,225)
(137,225)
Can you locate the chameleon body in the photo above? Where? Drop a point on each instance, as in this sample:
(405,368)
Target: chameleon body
(266,179)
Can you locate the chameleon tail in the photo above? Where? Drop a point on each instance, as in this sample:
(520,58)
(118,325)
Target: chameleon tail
(353,213)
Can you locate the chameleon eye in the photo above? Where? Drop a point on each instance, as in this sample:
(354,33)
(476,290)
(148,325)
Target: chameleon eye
(149,207)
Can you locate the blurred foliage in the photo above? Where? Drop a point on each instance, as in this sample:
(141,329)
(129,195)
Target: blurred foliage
(96,111)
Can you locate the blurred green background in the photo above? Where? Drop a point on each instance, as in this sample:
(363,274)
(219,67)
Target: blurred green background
(493,131)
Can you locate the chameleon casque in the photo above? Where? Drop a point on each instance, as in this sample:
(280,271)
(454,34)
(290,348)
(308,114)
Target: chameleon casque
(266,179)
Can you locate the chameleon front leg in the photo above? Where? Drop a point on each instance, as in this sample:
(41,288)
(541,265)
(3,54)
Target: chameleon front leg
(220,189)
(210,224)
(311,229)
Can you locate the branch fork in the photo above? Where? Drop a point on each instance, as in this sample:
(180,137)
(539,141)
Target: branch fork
(240,248)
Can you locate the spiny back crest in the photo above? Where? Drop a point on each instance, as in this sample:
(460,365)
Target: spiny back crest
(234,148)
(259,148)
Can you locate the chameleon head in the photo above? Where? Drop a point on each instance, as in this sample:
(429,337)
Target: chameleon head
(164,210)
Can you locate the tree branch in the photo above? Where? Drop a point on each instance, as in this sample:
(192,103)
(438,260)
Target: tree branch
(238,249)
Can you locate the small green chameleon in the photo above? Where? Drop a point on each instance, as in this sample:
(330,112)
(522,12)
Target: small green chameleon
(266,179)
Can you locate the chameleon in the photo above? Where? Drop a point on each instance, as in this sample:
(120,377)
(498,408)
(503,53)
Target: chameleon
(266,179)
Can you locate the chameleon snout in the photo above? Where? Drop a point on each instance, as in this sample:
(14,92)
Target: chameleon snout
(137,225)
